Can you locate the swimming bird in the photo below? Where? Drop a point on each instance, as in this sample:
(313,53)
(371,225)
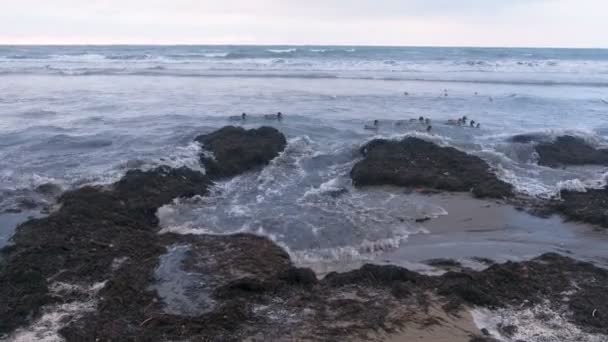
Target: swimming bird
(429,128)
(464,120)
(372,127)
(406,93)
(478,125)
(473,123)
(421,119)
(278,116)
(241,117)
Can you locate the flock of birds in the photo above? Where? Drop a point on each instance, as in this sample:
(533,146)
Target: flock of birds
(463,121)
(278,117)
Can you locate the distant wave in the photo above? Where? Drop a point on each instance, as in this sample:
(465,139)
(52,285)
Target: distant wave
(296,74)
(282,50)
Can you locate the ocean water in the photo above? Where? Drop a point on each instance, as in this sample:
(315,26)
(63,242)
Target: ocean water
(85,115)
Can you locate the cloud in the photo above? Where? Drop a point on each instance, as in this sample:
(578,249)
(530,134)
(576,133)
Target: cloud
(377,22)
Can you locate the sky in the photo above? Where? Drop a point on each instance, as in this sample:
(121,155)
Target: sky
(508,23)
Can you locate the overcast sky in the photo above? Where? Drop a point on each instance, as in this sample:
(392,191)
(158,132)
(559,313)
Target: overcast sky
(557,23)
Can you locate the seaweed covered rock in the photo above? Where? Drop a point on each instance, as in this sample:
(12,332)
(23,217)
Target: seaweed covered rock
(564,150)
(413,162)
(590,206)
(81,241)
(568,150)
(542,281)
(236,150)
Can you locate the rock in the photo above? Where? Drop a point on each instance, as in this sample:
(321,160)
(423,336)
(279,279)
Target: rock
(236,150)
(590,206)
(443,263)
(414,162)
(568,150)
(300,276)
(49,189)
(507,330)
(374,274)
(79,242)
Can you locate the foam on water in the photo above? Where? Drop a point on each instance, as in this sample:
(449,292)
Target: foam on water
(304,201)
(537,324)
(86,115)
(56,316)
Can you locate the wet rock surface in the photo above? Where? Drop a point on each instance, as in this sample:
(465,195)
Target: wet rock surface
(413,162)
(590,206)
(236,150)
(79,242)
(245,287)
(564,150)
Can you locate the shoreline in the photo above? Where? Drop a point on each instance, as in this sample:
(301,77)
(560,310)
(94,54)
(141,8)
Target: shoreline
(103,253)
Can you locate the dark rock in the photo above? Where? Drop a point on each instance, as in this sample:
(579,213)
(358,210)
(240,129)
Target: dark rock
(414,162)
(300,276)
(527,138)
(568,150)
(443,263)
(49,189)
(374,274)
(590,307)
(401,290)
(507,330)
(79,242)
(236,150)
(483,339)
(590,206)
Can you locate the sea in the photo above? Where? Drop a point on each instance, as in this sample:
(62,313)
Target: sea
(80,115)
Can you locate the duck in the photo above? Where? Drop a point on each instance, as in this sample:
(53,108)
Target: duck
(241,117)
(464,120)
(473,123)
(478,125)
(421,119)
(373,127)
(278,116)
(429,128)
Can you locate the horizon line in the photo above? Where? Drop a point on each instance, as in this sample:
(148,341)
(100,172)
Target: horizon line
(296,45)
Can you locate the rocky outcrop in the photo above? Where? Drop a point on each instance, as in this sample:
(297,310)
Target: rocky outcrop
(102,247)
(414,162)
(590,206)
(80,242)
(564,150)
(235,150)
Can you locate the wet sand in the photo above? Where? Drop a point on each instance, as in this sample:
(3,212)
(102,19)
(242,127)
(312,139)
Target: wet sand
(449,328)
(476,228)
